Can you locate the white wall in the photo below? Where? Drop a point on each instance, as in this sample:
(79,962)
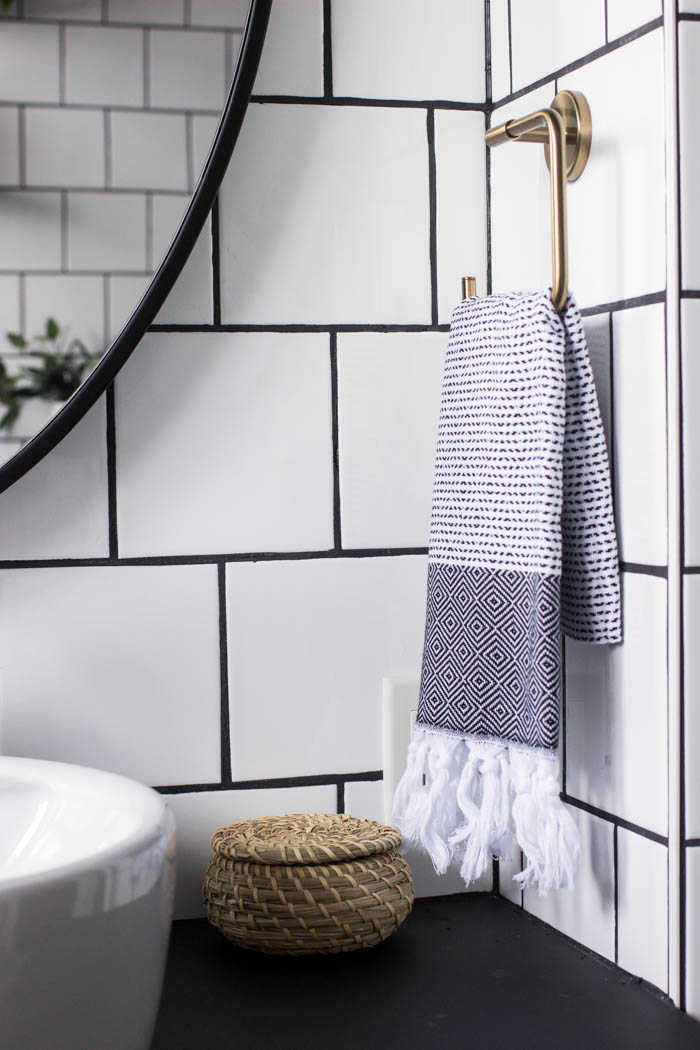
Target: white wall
(615,746)
(214,612)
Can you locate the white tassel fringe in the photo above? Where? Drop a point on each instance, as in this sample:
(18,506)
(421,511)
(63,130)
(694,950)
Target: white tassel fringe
(471,798)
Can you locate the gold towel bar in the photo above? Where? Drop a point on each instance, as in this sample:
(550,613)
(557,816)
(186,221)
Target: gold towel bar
(565,130)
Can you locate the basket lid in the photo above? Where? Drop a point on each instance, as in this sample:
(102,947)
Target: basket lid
(304,838)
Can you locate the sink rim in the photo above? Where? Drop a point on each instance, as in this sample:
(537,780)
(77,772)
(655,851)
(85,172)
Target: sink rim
(158,820)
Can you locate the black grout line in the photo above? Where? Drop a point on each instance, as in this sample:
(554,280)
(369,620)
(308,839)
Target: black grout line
(692,843)
(22,144)
(111,434)
(324,328)
(689,16)
(510,47)
(146,52)
(187,13)
(107,136)
(215,264)
(104,12)
(432,203)
(215,559)
(375,103)
(611,818)
(644,570)
(615,892)
(327,54)
(690,293)
(487,52)
(312,780)
(496,876)
(585,60)
(340,797)
(648,299)
(62,62)
(337,519)
(607,41)
(223,670)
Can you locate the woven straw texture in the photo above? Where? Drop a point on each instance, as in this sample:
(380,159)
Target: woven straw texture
(307,883)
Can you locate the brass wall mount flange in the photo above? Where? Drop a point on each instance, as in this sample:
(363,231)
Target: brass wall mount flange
(573,109)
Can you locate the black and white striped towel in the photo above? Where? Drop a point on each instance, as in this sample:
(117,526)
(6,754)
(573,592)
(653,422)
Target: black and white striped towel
(522,546)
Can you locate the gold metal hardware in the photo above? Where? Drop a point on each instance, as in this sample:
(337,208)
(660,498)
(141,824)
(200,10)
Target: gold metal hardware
(468,287)
(565,130)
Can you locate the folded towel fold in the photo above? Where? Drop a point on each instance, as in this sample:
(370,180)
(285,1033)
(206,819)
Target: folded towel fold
(522,546)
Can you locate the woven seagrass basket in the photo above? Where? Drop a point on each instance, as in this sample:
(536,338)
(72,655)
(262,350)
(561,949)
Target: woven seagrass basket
(307,883)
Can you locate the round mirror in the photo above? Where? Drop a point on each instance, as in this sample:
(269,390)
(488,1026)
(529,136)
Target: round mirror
(117,121)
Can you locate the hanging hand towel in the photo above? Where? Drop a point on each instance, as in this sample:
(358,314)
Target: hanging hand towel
(522,546)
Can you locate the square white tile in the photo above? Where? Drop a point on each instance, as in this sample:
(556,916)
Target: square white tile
(104,65)
(59,508)
(344,236)
(149,151)
(191,299)
(236,455)
(64,10)
(401,49)
(587,914)
(28,62)
(548,34)
(689,150)
(642,907)
(639,392)
(692,932)
(691,623)
(461,205)
(106,231)
(292,58)
(295,630)
(388,406)
(9,155)
(521,252)
(31,231)
(616,712)
(65,147)
(626,15)
(146,11)
(365,798)
(231,13)
(612,254)
(202,54)
(125,652)
(690,354)
(75,302)
(500,50)
(124,293)
(199,814)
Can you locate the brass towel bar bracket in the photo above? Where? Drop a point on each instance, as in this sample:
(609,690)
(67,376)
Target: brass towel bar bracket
(564,129)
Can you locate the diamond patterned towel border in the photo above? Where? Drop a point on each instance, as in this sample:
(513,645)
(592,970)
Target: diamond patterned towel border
(522,546)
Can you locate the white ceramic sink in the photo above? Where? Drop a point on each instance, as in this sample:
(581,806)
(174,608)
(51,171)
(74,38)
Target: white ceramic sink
(86,892)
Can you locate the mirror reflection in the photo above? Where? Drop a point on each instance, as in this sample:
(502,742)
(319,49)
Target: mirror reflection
(107,112)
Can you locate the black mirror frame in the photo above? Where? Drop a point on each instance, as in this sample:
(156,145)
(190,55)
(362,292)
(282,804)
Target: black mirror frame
(145,312)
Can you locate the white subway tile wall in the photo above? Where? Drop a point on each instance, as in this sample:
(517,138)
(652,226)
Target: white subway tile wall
(128,678)
(624,16)
(149,151)
(75,302)
(334,225)
(306,697)
(388,406)
(230,445)
(263,427)
(31,231)
(587,914)
(642,890)
(379,50)
(9,155)
(106,231)
(616,741)
(65,147)
(29,63)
